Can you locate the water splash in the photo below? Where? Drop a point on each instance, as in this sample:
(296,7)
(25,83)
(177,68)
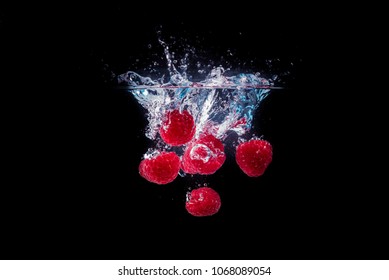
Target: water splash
(218,103)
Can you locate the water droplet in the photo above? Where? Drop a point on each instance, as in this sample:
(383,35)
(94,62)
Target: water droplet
(181,173)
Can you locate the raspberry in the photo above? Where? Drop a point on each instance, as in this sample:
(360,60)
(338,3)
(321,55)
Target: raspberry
(177,128)
(160,169)
(254,156)
(203,156)
(202,202)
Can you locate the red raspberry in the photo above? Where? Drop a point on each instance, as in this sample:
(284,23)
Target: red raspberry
(160,169)
(177,128)
(202,202)
(254,156)
(203,156)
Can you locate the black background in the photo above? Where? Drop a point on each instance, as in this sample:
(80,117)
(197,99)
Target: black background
(75,143)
